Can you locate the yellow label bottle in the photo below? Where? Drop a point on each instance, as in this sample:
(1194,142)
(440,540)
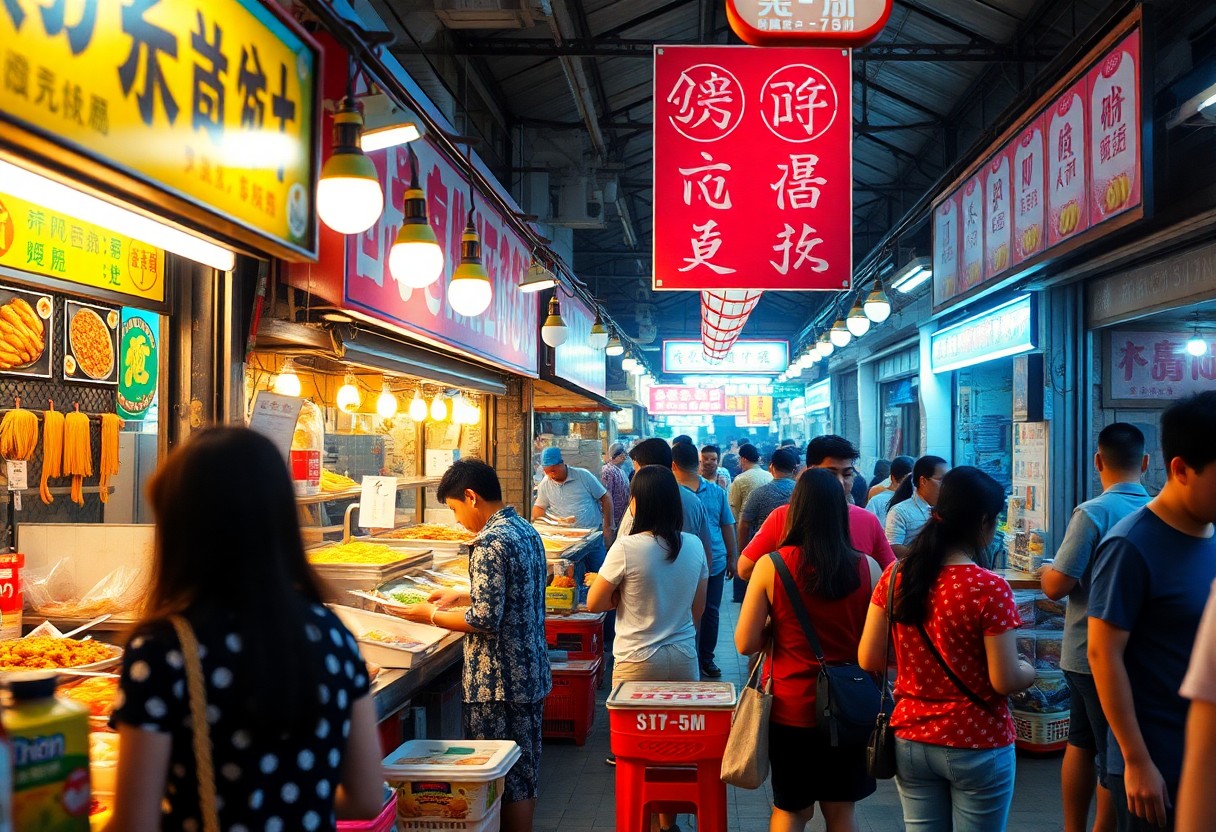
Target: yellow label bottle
(50,746)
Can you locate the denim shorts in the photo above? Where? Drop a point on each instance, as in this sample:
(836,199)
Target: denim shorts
(1087,727)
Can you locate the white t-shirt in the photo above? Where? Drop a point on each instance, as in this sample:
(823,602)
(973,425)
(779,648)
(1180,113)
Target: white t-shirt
(656,594)
(1200,680)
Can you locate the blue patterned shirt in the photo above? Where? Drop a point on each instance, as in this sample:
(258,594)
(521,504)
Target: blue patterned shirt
(507,659)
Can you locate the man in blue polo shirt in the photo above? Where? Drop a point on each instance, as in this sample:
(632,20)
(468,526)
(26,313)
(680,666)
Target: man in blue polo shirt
(1150,584)
(686,465)
(1120,461)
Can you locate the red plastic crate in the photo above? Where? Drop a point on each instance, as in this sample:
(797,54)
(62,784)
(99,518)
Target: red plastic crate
(570,706)
(581,635)
(688,725)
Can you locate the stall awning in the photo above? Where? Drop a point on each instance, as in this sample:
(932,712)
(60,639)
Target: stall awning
(554,395)
(374,351)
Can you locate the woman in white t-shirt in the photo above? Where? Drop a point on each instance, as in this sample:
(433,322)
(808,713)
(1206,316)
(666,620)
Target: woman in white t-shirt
(655,578)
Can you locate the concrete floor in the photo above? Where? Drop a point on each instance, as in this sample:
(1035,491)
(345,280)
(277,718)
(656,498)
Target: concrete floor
(578,791)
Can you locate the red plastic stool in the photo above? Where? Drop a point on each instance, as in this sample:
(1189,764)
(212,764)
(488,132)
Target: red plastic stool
(668,738)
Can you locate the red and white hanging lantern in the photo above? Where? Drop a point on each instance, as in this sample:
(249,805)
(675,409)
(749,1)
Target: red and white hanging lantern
(723,314)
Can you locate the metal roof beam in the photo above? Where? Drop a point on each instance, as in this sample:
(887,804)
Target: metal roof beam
(643,49)
(943,21)
(899,97)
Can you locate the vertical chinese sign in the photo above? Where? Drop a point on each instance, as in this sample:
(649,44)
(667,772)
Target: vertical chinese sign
(1053,182)
(212,103)
(752,168)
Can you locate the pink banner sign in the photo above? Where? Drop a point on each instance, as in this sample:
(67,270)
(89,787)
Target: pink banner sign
(1030,201)
(676,400)
(971,272)
(945,248)
(1067,151)
(998,216)
(1114,119)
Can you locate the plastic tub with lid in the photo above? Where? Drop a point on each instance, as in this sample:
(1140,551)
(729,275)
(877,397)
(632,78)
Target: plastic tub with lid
(449,779)
(667,723)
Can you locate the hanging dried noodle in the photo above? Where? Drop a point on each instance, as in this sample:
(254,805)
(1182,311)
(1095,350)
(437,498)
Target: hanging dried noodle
(52,451)
(77,453)
(111,426)
(18,433)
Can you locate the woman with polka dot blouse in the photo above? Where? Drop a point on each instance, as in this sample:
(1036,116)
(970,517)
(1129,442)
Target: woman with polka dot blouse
(290,718)
(954,736)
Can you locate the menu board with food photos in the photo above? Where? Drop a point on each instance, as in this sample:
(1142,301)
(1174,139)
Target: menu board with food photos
(1073,163)
(90,351)
(27,326)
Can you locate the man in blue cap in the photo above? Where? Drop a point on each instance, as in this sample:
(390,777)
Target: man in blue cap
(570,492)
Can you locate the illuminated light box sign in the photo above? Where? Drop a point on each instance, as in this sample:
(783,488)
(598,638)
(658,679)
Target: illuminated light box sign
(1053,182)
(213,104)
(687,357)
(1151,368)
(1003,331)
(672,400)
(819,396)
(803,23)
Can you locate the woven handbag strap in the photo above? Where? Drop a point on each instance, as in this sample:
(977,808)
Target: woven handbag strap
(886,650)
(197,693)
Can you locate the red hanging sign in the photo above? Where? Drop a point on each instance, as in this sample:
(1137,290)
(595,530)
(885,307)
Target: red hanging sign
(806,23)
(753,158)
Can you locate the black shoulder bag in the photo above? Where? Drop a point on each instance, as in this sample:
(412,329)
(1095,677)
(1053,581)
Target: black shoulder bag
(958,683)
(846,697)
(880,749)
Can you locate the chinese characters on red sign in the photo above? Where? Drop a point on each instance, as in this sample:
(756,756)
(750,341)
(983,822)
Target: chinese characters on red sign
(1156,365)
(753,168)
(1072,166)
(807,22)
(680,401)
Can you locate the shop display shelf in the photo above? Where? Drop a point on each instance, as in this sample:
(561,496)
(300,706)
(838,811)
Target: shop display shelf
(403,484)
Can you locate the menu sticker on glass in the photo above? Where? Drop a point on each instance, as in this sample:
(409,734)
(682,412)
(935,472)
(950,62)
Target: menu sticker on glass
(1029,201)
(997,191)
(1068,208)
(972,271)
(90,348)
(27,327)
(1114,106)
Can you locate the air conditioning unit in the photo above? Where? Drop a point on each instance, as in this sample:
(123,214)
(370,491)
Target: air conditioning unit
(487,14)
(579,204)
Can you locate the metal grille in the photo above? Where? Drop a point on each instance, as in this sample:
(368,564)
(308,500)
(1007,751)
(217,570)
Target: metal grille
(35,393)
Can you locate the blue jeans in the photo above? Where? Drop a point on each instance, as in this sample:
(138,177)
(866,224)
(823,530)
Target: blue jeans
(708,639)
(942,788)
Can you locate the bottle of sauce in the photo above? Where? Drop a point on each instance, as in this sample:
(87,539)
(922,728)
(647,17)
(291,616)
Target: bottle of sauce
(50,755)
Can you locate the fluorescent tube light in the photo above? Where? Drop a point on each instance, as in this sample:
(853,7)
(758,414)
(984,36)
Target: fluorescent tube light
(56,196)
(391,136)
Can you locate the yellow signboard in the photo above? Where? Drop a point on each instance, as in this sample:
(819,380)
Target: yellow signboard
(759,410)
(210,101)
(33,239)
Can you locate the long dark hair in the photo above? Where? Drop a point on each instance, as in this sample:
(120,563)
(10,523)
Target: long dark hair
(657,507)
(963,518)
(818,524)
(926,466)
(228,544)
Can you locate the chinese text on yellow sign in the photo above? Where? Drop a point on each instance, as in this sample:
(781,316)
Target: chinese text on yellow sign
(210,100)
(33,239)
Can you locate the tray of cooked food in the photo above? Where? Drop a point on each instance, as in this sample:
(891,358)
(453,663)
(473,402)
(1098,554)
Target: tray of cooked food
(50,653)
(438,537)
(567,532)
(387,640)
(356,565)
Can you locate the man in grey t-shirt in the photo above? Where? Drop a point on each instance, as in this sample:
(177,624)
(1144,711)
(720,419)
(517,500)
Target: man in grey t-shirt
(767,498)
(1120,461)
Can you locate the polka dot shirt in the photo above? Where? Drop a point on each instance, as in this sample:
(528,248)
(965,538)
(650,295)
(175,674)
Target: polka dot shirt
(966,604)
(263,783)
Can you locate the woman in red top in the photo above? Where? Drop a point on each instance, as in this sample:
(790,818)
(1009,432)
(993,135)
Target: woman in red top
(954,736)
(834,583)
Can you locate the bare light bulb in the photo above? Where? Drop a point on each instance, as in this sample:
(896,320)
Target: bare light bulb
(348,397)
(287,383)
(439,408)
(418,408)
(1196,346)
(386,405)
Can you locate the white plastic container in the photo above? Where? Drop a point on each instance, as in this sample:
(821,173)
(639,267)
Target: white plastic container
(387,655)
(449,780)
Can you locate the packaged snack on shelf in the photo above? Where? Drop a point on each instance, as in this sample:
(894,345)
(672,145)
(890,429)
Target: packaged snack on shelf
(561,591)
(1025,601)
(1049,614)
(1049,694)
(1026,650)
(1047,646)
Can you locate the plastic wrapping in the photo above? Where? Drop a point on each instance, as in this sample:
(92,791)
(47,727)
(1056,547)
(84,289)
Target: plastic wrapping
(54,592)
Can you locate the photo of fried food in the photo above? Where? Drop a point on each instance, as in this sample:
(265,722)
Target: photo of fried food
(1117,192)
(1070,218)
(91,344)
(22,335)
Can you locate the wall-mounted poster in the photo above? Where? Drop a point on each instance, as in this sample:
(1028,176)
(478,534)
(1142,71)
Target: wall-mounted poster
(90,349)
(997,216)
(971,272)
(1068,208)
(1114,107)
(26,329)
(1029,200)
(945,249)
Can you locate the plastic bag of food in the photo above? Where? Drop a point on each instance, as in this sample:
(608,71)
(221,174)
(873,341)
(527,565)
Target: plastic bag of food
(54,593)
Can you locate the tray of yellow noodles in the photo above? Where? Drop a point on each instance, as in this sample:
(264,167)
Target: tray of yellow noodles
(358,565)
(50,653)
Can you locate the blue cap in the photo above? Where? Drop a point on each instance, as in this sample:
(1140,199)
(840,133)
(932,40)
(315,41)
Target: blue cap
(550,456)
